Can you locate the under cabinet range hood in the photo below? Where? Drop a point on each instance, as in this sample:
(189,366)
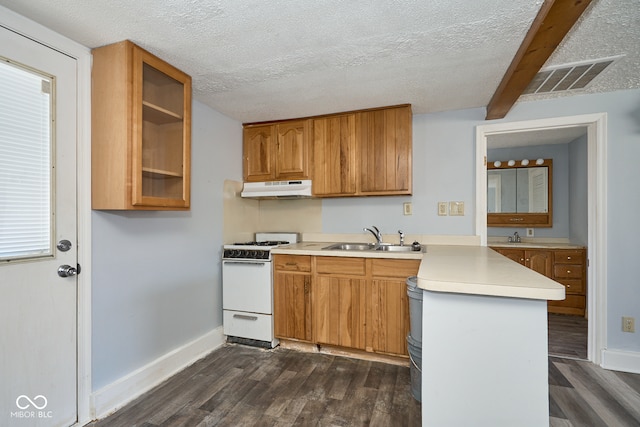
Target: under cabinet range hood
(293,189)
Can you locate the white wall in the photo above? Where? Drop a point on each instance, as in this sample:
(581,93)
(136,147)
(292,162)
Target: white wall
(156,275)
(578,195)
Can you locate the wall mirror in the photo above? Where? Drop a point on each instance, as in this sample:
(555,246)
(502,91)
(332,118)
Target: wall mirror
(519,193)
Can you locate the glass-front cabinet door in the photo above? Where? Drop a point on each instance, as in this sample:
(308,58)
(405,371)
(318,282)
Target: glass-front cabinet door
(161,129)
(140,131)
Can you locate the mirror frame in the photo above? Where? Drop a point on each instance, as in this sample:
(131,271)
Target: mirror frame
(514,219)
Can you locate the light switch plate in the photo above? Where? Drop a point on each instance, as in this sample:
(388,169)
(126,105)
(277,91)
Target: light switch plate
(442,208)
(456,208)
(530,232)
(407,208)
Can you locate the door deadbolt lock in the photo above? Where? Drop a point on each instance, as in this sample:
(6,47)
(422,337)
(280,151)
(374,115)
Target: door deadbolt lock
(68,271)
(63,245)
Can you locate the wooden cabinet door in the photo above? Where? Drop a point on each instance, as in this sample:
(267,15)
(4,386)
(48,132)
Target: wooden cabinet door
(387,316)
(339,311)
(384,149)
(540,261)
(258,153)
(292,305)
(334,156)
(516,255)
(292,149)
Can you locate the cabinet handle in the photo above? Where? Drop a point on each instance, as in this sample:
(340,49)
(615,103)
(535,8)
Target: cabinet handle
(568,258)
(568,286)
(516,219)
(568,271)
(306,285)
(521,259)
(245,317)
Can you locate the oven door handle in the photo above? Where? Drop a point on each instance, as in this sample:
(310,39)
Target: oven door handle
(243,262)
(245,317)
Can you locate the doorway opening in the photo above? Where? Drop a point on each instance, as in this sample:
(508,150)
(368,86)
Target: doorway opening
(594,126)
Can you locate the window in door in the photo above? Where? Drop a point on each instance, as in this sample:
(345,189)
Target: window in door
(26,165)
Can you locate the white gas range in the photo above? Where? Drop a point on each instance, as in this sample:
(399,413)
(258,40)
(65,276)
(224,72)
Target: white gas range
(247,289)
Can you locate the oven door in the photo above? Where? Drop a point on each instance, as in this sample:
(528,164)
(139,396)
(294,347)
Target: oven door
(246,286)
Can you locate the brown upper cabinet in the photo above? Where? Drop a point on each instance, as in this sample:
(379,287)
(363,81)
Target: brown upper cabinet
(334,156)
(359,153)
(277,151)
(141,131)
(384,151)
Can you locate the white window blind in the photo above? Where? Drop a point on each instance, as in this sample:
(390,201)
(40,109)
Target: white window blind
(25,163)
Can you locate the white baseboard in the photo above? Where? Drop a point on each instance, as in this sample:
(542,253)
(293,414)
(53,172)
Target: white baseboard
(626,361)
(120,392)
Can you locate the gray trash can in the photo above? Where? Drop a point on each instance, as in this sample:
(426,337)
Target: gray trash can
(415,367)
(415,308)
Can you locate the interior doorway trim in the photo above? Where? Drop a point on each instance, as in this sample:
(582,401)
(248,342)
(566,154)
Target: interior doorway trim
(596,125)
(82,55)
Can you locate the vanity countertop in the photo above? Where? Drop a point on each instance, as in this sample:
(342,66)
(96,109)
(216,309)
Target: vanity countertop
(478,270)
(530,245)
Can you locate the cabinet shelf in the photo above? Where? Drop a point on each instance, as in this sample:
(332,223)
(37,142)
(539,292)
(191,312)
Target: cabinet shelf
(159,173)
(158,115)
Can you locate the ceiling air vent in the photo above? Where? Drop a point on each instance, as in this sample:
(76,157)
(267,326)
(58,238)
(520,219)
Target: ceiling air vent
(569,76)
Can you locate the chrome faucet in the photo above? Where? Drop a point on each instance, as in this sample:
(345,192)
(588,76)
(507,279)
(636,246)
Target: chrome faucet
(515,238)
(401,237)
(377,234)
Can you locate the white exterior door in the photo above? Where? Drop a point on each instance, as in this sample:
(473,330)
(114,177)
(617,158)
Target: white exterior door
(38,308)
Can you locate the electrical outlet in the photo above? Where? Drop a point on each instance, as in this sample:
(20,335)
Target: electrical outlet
(628,324)
(456,208)
(529,232)
(442,208)
(407,208)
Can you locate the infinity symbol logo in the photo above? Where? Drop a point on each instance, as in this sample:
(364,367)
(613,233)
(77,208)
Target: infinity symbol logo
(33,403)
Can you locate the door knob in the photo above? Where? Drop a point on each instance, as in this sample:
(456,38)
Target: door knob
(68,271)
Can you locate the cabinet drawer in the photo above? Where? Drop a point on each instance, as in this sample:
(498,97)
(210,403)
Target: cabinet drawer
(567,271)
(573,286)
(292,262)
(401,268)
(568,256)
(572,301)
(335,265)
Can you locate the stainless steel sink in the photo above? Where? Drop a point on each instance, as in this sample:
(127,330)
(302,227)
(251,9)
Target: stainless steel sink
(352,247)
(369,247)
(395,248)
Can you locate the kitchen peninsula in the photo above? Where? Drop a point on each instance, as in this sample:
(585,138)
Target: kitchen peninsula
(484,357)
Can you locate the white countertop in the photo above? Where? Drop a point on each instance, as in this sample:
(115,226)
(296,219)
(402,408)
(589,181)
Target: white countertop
(315,249)
(479,270)
(526,245)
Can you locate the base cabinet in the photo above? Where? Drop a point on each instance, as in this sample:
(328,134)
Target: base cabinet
(292,297)
(565,266)
(356,303)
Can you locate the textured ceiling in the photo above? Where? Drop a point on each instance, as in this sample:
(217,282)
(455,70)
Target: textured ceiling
(256,60)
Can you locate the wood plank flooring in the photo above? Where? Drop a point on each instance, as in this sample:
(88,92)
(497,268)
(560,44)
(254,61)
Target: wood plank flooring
(582,394)
(567,336)
(245,386)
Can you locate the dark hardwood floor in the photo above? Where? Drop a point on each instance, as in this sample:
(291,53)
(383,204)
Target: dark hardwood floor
(245,386)
(567,336)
